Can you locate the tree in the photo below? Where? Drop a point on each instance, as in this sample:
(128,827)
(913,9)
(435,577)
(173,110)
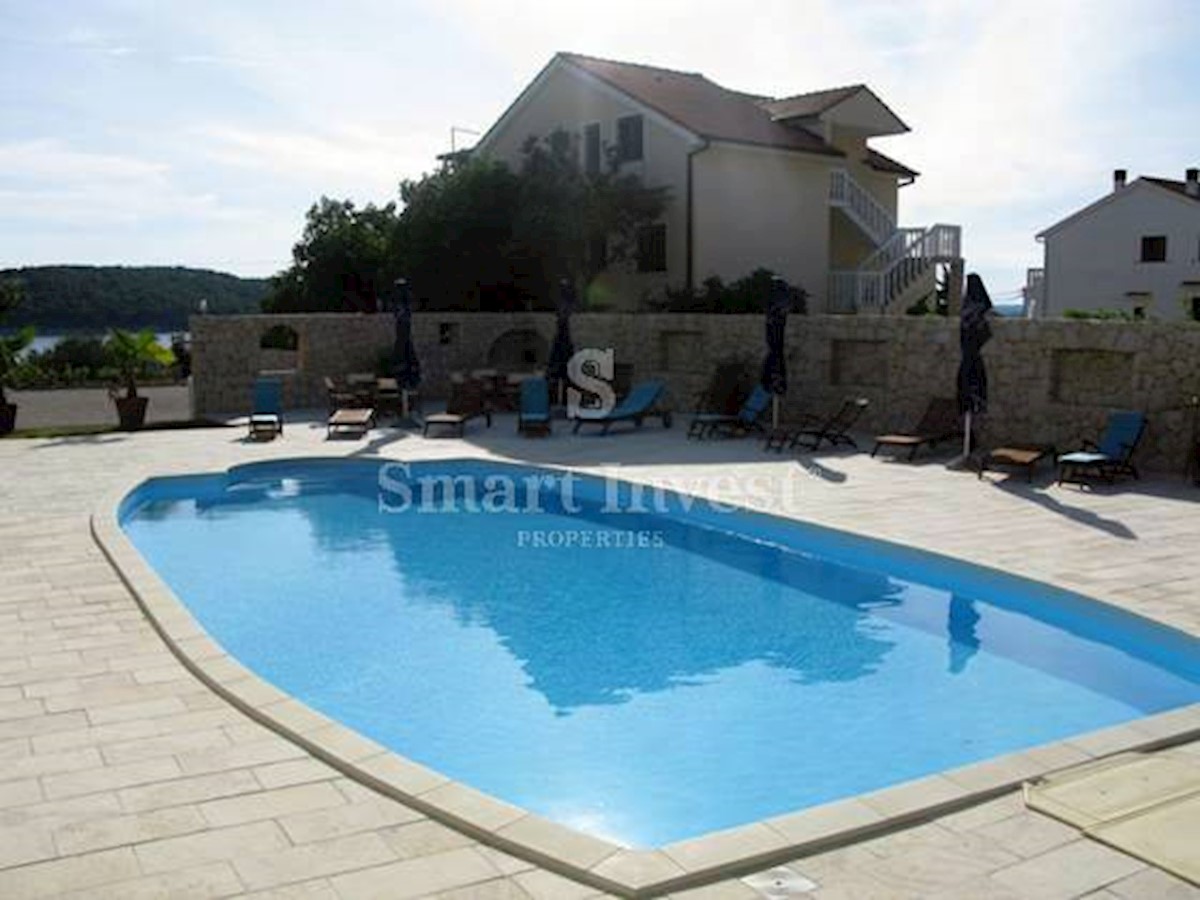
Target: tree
(454,235)
(563,211)
(86,298)
(473,235)
(343,262)
(131,353)
(12,294)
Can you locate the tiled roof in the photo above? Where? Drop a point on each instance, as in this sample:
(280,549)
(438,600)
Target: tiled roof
(811,104)
(1178,187)
(881,163)
(702,107)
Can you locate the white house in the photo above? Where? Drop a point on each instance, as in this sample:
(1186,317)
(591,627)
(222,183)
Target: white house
(1136,249)
(789,184)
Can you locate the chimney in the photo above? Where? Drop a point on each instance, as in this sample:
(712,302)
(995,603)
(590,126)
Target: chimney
(1119,176)
(1191,182)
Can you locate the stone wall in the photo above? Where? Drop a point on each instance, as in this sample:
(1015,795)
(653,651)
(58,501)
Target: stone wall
(1051,380)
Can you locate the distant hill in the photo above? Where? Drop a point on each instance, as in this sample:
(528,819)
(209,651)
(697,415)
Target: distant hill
(66,298)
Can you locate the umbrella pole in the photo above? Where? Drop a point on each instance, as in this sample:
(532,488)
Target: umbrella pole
(775,411)
(967,437)
(404,403)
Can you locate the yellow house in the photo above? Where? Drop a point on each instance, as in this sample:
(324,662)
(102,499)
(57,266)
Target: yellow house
(788,184)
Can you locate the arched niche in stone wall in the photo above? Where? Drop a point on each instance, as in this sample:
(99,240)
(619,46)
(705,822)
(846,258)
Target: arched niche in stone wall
(279,349)
(518,350)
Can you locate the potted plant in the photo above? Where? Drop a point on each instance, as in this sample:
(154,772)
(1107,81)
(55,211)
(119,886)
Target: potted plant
(10,347)
(130,353)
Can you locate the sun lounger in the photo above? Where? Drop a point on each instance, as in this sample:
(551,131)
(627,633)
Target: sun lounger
(266,421)
(1024,456)
(941,422)
(833,431)
(339,396)
(747,419)
(1111,456)
(533,411)
(642,403)
(784,433)
(350,422)
(466,403)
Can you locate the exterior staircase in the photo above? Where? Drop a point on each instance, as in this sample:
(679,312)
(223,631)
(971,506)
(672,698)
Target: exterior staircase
(902,268)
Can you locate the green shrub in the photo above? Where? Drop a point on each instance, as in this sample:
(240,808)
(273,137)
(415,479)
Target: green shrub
(748,294)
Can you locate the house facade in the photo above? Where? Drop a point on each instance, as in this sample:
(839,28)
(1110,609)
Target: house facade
(790,184)
(1137,250)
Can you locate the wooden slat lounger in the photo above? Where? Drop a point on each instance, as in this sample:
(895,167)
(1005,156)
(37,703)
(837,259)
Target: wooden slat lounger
(355,422)
(1025,456)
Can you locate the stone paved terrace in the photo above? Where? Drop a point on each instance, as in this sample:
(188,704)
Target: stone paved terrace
(123,776)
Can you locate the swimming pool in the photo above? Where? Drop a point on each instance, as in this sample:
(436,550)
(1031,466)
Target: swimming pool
(646,669)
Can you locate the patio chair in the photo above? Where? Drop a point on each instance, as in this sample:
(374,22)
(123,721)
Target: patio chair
(467,402)
(747,419)
(266,419)
(1111,456)
(641,404)
(941,422)
(339,396)
(533,410)
(834,431)
(388,399)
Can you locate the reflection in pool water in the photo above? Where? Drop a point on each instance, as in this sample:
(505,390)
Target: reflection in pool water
(735,668)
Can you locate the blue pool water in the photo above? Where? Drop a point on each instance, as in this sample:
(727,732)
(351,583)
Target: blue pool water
(659,674)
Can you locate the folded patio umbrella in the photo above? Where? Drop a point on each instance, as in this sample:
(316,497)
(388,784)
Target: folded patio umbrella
(562,349)
(974,331)
(774,370)
(407,366)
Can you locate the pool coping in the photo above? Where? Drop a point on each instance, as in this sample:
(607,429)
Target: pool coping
(596,862)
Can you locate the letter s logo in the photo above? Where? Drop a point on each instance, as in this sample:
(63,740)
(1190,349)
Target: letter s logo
(590,372)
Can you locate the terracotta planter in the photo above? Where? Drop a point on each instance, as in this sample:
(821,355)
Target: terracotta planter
(131,411)
(8,418)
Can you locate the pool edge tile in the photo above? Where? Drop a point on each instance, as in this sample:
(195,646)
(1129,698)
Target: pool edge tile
(399,775)
(474,808)
(558,843)
(640,869)
(731,850)
(827,823)
(909,799)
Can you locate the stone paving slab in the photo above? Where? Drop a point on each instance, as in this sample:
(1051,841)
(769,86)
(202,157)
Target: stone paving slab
(129,779)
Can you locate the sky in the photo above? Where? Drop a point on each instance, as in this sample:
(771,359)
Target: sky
(162,132)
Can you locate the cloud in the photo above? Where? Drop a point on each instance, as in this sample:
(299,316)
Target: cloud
(48,181)
(96,41)
(51,159)
(354,160)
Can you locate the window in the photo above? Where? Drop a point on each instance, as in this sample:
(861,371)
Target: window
(1154,248)
(591,149)
(629,138)
(652,249)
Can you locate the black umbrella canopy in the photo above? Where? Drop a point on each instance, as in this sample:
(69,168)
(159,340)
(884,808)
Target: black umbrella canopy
(974,331)
(774,370)
(562,349)
(407,366)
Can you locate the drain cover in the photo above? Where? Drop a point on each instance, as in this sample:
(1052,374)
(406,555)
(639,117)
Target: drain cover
(780,883)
